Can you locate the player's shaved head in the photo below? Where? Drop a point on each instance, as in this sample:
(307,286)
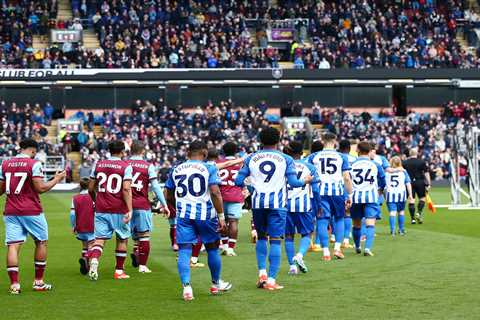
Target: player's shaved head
(230,149)
(116,147)
(295,149)
(270,137)
(212,154)
(137,147)
(197,148)
(329,137)
(28,144)
(84,183)
(316,146)
(413,152)
(344,146)
(364,148)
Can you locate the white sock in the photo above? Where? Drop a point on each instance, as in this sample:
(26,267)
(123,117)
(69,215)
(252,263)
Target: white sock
(337,246)
(118,271)
(326,251)
(270,280)
(194,260)
(346,241)
(299,255)
(262,272)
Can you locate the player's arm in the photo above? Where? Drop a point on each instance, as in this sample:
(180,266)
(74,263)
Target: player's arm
(243,173)
(228,163)
(127,193)
(408,185)
(315,188)
(2,182)
(72,216)
(381,179)
(216,195)
(92,185)
(155,186)
(427,178)
(169,190)
(347,178)
(291,175)
(41,186)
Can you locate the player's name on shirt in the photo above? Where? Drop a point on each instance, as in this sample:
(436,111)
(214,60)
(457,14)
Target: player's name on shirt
(192,165)
(17,164)
(109,165)
(260,156)
(142,165)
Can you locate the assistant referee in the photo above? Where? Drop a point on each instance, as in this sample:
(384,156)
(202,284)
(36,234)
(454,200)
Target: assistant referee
(418,172)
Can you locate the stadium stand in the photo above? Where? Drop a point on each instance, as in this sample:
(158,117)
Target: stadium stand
(218,34)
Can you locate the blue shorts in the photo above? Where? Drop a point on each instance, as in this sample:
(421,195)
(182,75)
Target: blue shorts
(300,222)
(141,221)
(233,210)
(332,206)
(86,236)
(396,206)
(270,221)
(188,231)
(108,223)
(364,210)
(17,228)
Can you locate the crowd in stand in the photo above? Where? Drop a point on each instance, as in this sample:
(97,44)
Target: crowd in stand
(214,34)
(168,131)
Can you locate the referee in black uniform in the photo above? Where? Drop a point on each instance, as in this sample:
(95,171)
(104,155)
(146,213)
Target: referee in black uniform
(418,172)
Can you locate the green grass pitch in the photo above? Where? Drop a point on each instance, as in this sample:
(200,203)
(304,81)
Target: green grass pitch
(432,273)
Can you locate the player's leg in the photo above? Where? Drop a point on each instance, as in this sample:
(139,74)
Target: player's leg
(134,222)
(304,225)
(143,226)
(15,236)
(392,220)
(261,247)
(339,225)
(371,212)
(209,235)
(103,232)
(317,246)
(196,249)
(290,244)
(324,221)
(122,233)
(83,260)
(401,218)
(186,236)
(172,221)
(233,216)
(276,220)
(347,232)
(13,251)
(37,227)
(363,230)
(421,203)
(411,203)
(356,212)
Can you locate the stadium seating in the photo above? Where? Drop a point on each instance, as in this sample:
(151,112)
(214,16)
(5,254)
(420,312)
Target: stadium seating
(218,34)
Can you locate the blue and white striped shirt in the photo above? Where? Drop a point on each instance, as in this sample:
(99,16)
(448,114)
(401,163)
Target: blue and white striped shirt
(397,186)
(330,166)
(269,171)
(191,181)
(367,178)
(300,198)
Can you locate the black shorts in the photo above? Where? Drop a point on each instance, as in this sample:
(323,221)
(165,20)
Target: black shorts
(419,188)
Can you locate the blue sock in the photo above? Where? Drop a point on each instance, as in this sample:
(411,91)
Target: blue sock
(392,221)
(290,250)
(261,252)
(370,237)
(317,233)
(183,263)
(323,231)
(357,234)
(339,229)
(214,264)
(348,227)
(401,222)
(364,230)
(274,258)
(332,225)
(304,245)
